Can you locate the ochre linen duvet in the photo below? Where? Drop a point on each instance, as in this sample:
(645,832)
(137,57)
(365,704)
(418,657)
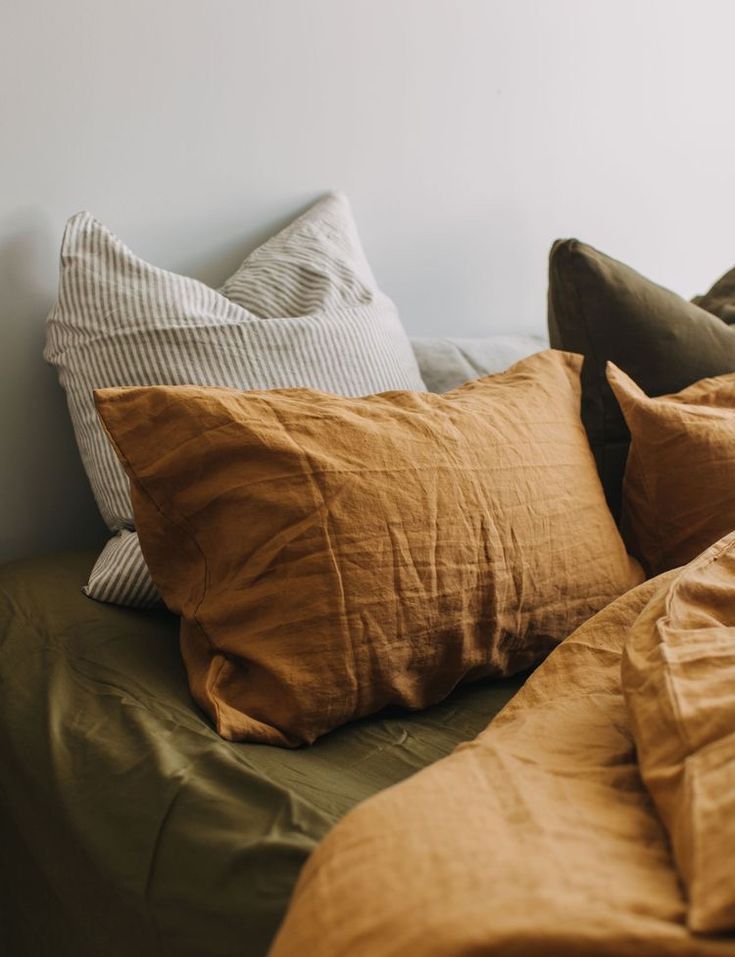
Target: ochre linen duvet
(539,838)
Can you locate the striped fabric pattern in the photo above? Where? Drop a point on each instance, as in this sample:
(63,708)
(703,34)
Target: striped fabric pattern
(302,310)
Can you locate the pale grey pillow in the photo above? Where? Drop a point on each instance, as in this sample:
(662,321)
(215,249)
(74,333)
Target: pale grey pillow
(302,310)
(446,363)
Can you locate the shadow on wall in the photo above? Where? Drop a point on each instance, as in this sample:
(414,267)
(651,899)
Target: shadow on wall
(45,500)
(221,258)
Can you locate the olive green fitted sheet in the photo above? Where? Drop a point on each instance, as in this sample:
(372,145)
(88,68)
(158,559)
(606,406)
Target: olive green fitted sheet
(128,826)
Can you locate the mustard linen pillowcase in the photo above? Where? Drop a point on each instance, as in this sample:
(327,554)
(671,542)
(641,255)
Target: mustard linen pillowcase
(333,556)
(679,486)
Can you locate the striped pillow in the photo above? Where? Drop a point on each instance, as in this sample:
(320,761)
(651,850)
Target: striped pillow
(302,310)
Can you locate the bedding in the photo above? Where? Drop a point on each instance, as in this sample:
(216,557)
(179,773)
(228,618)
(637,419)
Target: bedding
(446,363)
(678,677)
(605,311)
(332,556)
(679,485)
(129,827)
(720,299)
(538,837)
(303,309)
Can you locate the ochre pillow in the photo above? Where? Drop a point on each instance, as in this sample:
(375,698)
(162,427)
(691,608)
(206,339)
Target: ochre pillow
(678,678)
(679,486)
(332,556)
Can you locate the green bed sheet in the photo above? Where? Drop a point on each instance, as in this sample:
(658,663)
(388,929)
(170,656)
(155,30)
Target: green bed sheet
(128,826)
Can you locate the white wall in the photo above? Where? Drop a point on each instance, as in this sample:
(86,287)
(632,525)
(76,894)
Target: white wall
(468,133)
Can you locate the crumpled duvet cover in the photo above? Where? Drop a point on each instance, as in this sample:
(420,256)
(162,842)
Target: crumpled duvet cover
(539,838)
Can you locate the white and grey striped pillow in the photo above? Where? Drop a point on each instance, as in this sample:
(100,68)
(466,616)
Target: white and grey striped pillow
(302,310)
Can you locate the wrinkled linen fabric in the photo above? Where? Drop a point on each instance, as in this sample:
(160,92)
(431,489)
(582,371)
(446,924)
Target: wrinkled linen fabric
(333,556)
(679,682)
(537,839)
(128,827)
(679,486)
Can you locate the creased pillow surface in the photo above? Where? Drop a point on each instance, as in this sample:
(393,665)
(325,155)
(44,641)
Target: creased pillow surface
(678,677)
(333,556)
(679,486)
(303,309)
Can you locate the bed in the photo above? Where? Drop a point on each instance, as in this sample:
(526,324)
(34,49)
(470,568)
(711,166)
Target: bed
(115,788)
(129,826)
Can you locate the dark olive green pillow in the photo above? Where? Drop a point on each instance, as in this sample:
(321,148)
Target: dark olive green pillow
(720,300)
(607,311)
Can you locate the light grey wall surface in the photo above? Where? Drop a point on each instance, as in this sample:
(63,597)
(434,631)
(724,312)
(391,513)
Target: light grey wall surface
(468,134)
